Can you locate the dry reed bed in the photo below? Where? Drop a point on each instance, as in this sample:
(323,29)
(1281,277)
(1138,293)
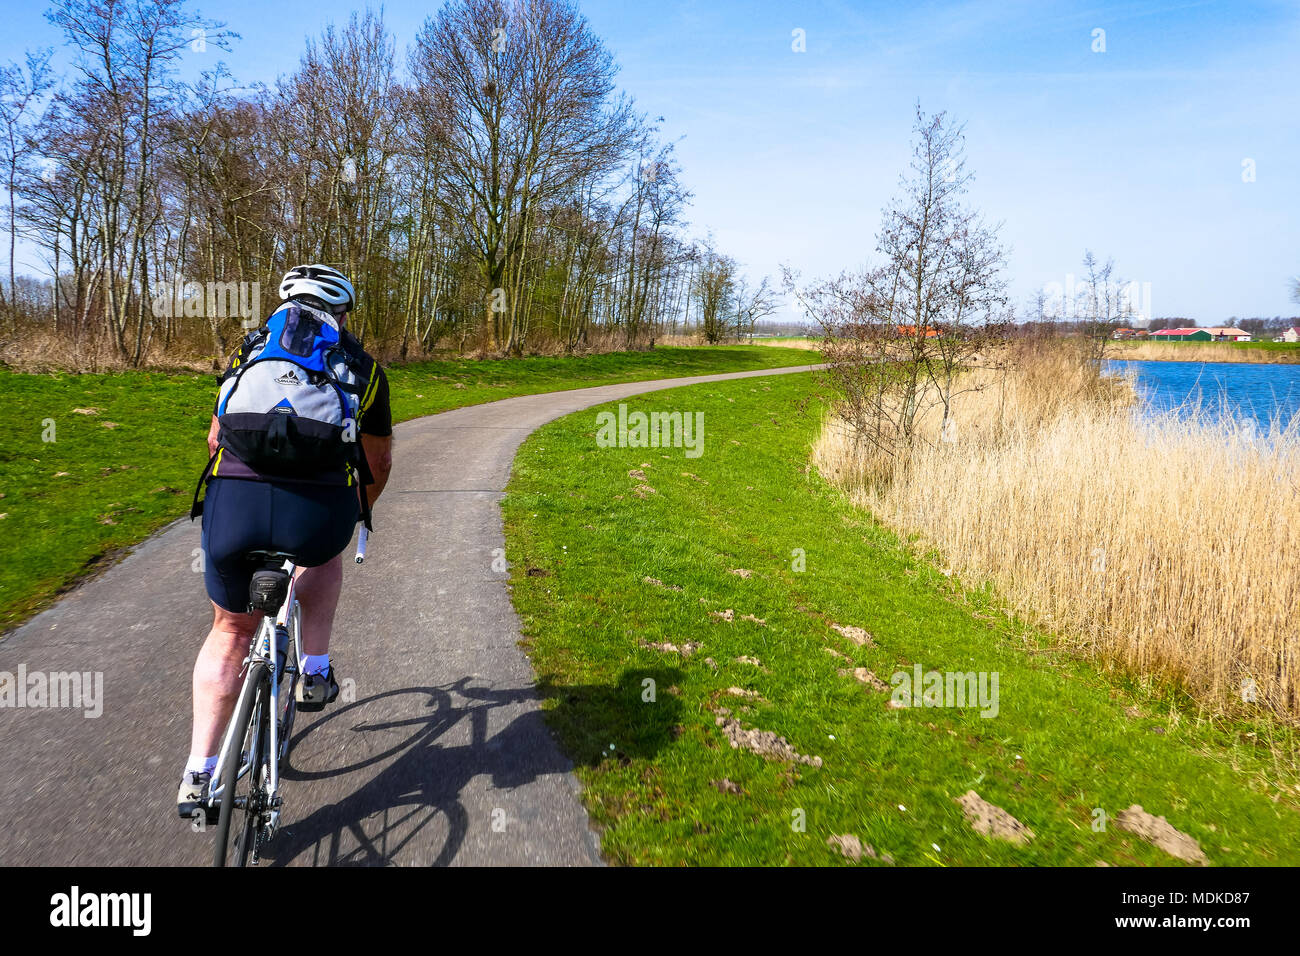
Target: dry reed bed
(1201,352)
(808,344)
(1168,546)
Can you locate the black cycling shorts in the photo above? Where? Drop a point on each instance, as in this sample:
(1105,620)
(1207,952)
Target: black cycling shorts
(314,523)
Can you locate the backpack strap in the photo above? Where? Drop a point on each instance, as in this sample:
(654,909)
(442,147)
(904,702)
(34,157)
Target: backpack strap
(246,347)
(196,508)
(354,364)
(364,477)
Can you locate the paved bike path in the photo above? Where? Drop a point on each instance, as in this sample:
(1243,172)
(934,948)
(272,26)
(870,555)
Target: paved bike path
(441,757)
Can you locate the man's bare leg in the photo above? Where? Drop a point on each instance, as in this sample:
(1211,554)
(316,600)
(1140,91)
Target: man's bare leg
(318,590)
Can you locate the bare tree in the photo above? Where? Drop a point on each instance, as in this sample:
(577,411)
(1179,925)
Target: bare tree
(528,92)
(752,305)
(1103,308)
(20,89)
(714,286)
(898,335)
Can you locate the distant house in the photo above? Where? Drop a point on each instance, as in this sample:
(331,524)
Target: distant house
(1229,334)
(1182,335)
(910,331)
(1291,335)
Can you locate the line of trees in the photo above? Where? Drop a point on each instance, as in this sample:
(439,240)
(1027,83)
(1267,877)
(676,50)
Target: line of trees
(492,190)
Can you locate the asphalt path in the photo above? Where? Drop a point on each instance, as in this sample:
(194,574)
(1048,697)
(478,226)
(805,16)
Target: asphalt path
(438,755)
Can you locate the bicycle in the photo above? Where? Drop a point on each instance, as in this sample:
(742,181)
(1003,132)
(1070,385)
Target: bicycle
(273,667)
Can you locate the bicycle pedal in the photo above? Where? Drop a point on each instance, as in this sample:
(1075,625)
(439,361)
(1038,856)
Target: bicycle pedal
(209,814)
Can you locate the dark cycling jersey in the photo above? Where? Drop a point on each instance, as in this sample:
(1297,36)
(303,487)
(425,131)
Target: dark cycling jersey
(376,416)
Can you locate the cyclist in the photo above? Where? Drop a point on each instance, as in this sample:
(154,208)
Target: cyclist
(311,517)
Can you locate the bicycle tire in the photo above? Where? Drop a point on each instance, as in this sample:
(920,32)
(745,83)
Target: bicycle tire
(289,686)
(251,716)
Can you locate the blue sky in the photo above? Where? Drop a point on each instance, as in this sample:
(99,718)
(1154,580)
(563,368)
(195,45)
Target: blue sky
(1135,152)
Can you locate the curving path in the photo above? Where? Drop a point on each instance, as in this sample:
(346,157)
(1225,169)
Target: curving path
(442,756)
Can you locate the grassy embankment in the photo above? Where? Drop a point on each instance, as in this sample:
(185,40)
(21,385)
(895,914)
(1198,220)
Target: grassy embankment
(659,774)
(126,463)
(1265,353)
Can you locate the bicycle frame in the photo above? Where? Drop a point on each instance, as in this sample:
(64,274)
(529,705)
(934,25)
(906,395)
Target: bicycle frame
(263,649)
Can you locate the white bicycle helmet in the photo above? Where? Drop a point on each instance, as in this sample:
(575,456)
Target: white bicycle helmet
(321,282)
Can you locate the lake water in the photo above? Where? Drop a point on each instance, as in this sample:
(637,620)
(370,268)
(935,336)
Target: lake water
(1246,391)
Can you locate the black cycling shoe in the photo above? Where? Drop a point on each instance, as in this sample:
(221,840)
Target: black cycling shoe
(316,690)
(192,798)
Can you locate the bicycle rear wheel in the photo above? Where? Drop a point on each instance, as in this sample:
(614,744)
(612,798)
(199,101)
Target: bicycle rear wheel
(243,799)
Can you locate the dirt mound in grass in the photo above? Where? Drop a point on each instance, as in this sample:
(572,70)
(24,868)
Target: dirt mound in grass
(992,820)
(686,650)
(655,582)
(864,676)
(1161,833)
(765,743)
(850,846)
(855,634)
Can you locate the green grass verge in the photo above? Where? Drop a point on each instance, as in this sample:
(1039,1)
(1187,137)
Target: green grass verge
(1063,743)
(111,478)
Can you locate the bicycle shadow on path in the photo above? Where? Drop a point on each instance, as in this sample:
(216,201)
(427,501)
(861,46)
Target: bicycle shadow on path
(419,747)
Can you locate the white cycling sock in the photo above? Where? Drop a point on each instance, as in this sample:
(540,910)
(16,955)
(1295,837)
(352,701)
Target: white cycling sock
(315,664)
(200,764)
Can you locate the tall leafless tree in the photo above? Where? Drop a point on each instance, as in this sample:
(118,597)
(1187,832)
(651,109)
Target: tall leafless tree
(898,334)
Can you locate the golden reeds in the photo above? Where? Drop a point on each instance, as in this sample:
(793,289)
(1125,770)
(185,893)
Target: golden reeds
(1170,545)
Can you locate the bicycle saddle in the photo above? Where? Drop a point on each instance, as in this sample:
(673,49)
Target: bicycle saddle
(270,559)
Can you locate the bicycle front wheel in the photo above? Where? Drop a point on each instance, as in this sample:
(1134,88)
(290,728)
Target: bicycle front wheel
(289,685)
(243,799)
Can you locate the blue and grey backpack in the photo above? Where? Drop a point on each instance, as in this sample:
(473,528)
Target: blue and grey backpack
(290,408)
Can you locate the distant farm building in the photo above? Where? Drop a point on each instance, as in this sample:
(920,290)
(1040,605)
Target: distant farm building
(1222,334)
(910,331)
(1183,335)
(1291,335)
(1229,334)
